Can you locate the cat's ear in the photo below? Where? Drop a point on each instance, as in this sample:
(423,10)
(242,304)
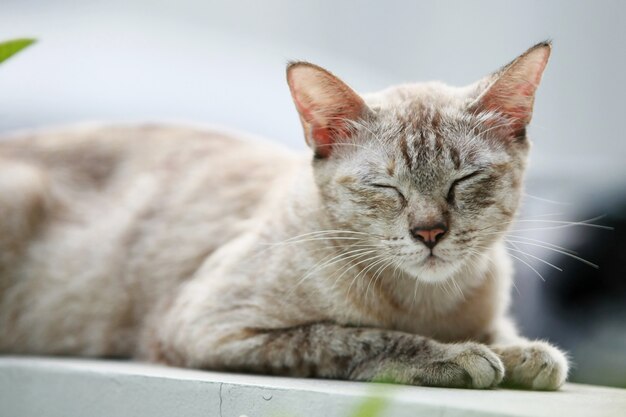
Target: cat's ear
(511,90)
(325,103)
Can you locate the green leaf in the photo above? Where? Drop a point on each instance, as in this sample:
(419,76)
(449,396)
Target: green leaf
(10,48)
(371,407)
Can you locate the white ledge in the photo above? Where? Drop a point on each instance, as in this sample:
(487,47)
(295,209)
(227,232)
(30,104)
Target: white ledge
(50,387)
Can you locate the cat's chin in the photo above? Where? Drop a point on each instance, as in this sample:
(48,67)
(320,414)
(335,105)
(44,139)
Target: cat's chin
(431,270)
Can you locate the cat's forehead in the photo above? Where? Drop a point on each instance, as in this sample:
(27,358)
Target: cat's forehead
(406,96)
(429,126)
(426,115)
(424,134)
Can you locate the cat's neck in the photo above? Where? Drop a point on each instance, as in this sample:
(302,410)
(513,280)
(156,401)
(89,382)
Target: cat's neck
(396,300)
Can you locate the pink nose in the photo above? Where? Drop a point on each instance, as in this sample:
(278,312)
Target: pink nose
(429,235)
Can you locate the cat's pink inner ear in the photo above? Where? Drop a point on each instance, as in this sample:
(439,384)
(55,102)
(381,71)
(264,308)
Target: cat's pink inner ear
(326,105)
(511,91)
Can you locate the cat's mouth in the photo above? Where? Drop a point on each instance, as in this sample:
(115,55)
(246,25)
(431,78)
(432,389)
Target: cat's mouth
(431,268)
(434,263)
(432,260)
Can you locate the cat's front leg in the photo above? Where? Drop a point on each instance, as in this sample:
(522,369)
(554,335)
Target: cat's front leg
(328,350)
(463,365)
(529,364)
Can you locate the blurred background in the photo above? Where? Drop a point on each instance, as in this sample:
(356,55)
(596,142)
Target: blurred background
(222,63)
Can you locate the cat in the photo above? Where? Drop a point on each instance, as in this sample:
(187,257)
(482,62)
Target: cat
(378,256)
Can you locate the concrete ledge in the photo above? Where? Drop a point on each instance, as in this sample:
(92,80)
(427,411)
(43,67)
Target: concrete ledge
(47,387)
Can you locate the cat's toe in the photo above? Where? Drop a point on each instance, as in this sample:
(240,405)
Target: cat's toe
(549,366)
(535,365)
(481,368)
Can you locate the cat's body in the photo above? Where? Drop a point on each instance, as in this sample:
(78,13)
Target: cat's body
(125,214)
(198,249)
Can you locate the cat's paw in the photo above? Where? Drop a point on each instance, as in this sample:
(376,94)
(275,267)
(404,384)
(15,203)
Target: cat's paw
(480,366)
(464,365)
(533,365)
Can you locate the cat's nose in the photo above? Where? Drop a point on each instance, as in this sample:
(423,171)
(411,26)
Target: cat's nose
(429,235)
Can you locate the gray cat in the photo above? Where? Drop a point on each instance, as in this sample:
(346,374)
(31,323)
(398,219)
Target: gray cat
(377,257)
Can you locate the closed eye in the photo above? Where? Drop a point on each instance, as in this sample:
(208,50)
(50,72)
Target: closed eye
(458,181)
(391,187)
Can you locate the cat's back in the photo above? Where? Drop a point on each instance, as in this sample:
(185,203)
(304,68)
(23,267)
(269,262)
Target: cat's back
(107,159)
(98,155)
(144,177)
(118,216)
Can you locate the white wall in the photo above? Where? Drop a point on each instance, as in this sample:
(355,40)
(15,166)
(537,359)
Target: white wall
(223,62)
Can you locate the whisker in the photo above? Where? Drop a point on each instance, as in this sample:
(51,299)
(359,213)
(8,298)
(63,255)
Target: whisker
(528,265)
(330,231)
(379,273)
(583,260)
(543,242)
(415,287)
(356,242)
(365,270)
(537,216)
(580,223)
(457,287)
(343,255)
(312,239)
(522,261)
(492,262)
(518,249)
(326,263)
(562,224)
(545,200)
(340,233)
(537,258)
(349,267)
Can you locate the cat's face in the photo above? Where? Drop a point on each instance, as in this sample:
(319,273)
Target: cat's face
(449,177)
(428,175)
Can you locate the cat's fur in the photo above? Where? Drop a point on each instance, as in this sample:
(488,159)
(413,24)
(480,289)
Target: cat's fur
(197,249)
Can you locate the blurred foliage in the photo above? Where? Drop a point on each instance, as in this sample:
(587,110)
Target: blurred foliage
(371,407)
(12,47)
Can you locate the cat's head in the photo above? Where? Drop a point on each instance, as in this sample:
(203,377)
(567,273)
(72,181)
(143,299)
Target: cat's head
(428,176)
